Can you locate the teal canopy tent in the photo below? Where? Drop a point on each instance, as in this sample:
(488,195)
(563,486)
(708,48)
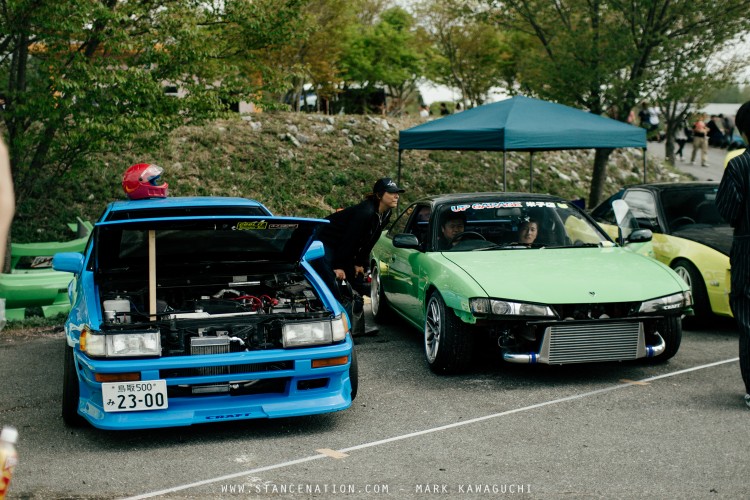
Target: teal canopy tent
(522,124)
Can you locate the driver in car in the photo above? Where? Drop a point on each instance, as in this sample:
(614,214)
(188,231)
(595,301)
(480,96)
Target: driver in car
(454,223)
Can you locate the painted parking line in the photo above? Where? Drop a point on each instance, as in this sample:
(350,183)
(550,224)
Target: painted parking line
(372,444)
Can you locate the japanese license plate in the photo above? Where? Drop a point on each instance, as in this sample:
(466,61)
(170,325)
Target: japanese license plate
(134,396)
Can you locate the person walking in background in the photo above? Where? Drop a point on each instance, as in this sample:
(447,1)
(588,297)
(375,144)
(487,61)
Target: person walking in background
(350,237)
(728,130)
(444,109)
(680,138)
(715,131)
(733,203)
(700,140)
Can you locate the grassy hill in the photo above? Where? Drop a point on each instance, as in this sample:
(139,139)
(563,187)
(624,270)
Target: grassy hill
(309,165)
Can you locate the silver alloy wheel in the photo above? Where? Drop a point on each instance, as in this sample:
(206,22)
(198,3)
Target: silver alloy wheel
(432,328)
(685,275)
(375,291)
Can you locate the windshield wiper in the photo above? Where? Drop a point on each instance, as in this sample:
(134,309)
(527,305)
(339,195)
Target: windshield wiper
(506,246)
(578,245)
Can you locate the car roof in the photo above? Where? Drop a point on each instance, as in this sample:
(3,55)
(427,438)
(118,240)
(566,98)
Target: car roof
(669,186)
(183,201)
(186,206)
(470,197)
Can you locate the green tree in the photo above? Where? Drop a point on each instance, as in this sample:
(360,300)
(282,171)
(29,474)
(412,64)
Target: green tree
(685,84)
(82,77)
(315,58)
(468,53)
(386,54)
(606,55)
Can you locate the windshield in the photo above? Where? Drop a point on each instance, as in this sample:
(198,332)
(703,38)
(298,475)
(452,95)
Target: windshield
(690,207)
(180,242)
(517,224)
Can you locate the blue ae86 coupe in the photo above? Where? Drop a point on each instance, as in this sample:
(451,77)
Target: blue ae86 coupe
(196,310)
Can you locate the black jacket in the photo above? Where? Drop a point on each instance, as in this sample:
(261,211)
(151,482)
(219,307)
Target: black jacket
(351,235)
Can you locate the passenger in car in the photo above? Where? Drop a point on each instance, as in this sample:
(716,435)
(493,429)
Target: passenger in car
(421,228)
(528,231)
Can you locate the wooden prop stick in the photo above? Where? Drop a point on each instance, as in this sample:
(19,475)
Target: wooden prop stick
(152,274)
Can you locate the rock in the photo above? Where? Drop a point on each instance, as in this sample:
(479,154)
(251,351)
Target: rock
(302,138)
(379,121)
(293,140)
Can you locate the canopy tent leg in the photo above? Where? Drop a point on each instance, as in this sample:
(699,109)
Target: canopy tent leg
(644,165)
(531,171)
(398,177)
(505,174)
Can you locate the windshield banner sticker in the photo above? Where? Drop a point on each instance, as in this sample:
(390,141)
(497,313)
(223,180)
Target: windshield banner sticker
(261,224)
(257,224)
(505,204)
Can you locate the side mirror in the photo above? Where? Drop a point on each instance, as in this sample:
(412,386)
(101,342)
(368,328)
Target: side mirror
(640,236)
(626,223)
(69,262)
(316,250)
(406,240)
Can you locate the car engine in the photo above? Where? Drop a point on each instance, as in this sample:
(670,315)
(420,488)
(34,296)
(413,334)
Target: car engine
(215,317)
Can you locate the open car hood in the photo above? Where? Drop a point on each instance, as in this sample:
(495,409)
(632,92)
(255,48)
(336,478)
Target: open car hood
(568,275)
(228,242)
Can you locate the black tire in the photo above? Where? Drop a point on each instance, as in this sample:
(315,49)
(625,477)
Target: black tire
(71,391)
(448,341)
(701,305)
(670,329)
(354,374)
(745,358)
(381,310)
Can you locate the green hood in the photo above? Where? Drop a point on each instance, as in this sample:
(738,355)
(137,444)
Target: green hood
(568,276)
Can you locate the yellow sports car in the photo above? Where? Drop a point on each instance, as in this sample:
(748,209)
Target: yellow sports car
(689,236)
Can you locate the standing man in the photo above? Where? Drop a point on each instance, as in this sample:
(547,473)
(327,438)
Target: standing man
(351,234)
(733,202)
(700,140)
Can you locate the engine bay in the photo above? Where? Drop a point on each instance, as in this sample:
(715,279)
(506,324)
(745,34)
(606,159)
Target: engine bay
(229,314)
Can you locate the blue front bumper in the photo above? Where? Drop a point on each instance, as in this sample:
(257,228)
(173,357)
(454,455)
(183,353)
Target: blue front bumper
(300,388)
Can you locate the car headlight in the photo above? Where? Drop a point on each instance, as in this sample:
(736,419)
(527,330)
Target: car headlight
(496,307)
(307,333)
(131,344)
(669,303)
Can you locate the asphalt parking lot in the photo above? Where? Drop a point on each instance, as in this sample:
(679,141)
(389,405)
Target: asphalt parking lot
(621,430)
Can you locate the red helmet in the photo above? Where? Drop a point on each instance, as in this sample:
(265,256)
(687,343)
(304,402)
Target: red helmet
(142,181)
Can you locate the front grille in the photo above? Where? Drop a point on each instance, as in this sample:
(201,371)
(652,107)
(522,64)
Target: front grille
(228,369)
(242,388)
(589,342)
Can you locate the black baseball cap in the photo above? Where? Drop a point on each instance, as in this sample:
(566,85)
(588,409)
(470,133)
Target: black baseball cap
(386,184)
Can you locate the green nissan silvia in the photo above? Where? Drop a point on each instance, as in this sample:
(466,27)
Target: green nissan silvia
(532,274)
